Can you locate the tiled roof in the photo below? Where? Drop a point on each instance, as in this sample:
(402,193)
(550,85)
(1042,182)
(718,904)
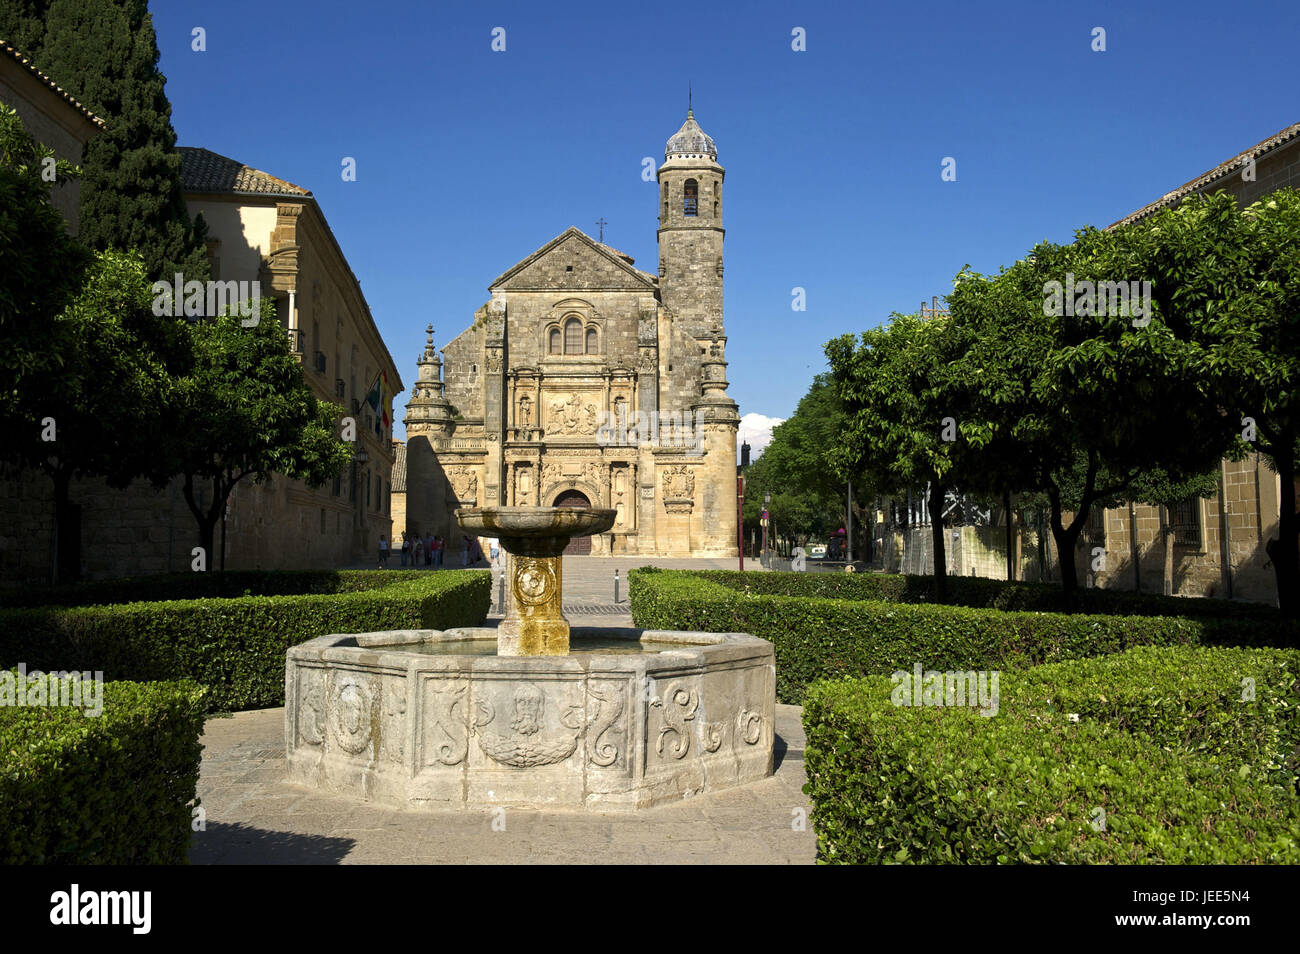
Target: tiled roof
(205,171)
(399,467)
(9,51)
(1232,165)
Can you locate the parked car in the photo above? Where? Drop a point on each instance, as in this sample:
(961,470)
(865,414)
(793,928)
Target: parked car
(817,553)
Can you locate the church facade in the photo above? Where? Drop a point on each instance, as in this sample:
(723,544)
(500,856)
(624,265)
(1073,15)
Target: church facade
(585,381)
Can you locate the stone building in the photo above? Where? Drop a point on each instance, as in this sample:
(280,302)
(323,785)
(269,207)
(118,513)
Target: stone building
(264,229)
(585,381)
(52,117)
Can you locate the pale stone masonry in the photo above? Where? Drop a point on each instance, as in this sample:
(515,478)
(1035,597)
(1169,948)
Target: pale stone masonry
(52,117)
(528,405)
(264,229)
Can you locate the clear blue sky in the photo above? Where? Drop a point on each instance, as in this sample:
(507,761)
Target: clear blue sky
(468,160)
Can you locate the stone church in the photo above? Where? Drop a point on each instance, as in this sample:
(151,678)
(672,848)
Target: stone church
(585,381)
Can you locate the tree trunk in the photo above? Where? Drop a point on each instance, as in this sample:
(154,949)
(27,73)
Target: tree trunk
(936,531)
(1167,545)
(1066,538)
(1011,549)
(206,519)
(63,568)
(1282,550)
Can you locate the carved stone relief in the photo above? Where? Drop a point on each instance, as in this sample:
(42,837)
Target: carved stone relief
(679,705)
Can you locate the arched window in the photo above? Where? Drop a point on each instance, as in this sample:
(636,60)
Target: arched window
(591,341)
(691,197)
(554,346)
(573,336)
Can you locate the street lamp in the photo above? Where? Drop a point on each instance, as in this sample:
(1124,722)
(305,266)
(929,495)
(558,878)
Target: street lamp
(767,505)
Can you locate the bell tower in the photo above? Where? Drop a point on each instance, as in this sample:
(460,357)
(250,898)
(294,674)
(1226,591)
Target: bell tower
(690,229)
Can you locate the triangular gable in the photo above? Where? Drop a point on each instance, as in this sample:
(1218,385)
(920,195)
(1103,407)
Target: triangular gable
(594,267)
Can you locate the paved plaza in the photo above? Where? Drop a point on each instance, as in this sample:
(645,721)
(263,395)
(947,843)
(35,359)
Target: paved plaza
(254,817)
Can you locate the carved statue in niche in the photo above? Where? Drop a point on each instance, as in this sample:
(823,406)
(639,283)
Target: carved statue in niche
(524,486)
(525,412)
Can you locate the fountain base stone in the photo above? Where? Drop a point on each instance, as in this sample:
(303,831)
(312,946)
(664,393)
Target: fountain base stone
(432,720)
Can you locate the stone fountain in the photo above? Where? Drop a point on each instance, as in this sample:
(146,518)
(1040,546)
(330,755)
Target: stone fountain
(532,713)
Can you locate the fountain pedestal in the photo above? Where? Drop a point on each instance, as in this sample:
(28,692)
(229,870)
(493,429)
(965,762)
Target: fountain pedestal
(534,539)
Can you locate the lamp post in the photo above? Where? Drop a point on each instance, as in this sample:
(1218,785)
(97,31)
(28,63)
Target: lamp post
(767,516)
(740,518)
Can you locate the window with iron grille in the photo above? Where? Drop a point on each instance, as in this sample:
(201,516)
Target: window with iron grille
(573,336)
(1096,525)
(691,198)
(1185,520)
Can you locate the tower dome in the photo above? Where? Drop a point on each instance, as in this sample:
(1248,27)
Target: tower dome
(691,140)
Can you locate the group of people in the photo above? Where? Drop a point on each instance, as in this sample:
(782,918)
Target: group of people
(428,549)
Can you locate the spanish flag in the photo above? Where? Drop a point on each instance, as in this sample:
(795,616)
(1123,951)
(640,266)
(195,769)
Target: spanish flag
(380,400)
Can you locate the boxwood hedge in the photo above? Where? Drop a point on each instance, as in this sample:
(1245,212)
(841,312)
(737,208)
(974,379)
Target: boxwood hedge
(980,593)
(816,637)
(1182,755)
(234,646)
(193,586)
(117,788)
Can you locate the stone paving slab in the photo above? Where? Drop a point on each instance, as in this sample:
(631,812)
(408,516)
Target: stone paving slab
(254,817)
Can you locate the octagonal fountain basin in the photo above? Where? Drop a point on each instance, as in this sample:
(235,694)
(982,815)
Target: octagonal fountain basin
(438,720)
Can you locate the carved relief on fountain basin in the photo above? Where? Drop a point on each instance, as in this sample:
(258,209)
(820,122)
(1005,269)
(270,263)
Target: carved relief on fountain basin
(613,729)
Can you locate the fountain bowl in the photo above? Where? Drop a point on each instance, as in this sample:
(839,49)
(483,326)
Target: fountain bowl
(410,718)
(522,522)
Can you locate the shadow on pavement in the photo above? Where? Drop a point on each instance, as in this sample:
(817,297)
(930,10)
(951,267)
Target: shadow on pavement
(243,844)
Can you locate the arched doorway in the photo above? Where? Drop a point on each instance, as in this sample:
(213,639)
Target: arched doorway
(578,546)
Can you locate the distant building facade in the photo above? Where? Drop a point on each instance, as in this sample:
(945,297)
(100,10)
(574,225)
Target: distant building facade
(586,381)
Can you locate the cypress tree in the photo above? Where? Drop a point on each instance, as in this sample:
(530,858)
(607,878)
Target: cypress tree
(105,53)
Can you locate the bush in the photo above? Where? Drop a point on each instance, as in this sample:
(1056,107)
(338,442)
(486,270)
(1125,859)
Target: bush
(981,593)
(1164,751)
(236,646)
(816,638)
(117,788)
(193,586)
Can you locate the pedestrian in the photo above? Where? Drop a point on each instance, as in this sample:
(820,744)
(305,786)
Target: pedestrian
(493,549)
(383,552)
(464,550)
(417,550)
(406,548)
(437,553)
(428,550)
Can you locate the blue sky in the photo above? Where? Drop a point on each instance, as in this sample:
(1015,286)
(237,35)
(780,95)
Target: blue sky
(469,159)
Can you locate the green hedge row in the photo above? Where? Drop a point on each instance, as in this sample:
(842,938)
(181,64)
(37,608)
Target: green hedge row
(235,647)
(981,593)
(816,638)
(194,586)
(117,788)
(1157,755)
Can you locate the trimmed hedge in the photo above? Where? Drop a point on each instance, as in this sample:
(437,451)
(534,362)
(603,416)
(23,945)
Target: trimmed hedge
(816,638)
(117,788)
(981,593)
(194,586)
(236,646)
(1162,741)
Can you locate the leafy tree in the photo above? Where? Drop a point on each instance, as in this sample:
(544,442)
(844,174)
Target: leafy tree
(87,365)
(801,468)
(1232,276)
(906,401)
(105,53)
(40,271)
(245,411)
(1078,406)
